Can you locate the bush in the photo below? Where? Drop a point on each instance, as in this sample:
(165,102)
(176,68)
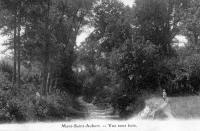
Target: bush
(17,110)
(4,82)
(103,97)
(180,76)
(21,104)
(192,64)
(94,84)
(6,67)
(53,107)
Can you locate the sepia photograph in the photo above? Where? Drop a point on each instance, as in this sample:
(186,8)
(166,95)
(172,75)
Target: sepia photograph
(100,65)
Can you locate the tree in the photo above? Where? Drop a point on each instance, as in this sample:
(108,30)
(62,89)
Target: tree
(19,50)
(158,21)
(77,16)
(190,23)
(6,22)
(50,33)
(10,22)
(112,25)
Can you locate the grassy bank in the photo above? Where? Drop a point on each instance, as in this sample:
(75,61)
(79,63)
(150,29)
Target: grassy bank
(185,107)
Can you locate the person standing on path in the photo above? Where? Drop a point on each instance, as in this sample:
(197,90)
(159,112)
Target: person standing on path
(164,94)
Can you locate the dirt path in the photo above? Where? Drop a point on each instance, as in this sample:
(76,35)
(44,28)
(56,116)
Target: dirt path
(96,113)
(155,108)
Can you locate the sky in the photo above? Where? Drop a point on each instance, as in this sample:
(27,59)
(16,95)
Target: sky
(128,2)
(182,40)
(2,48)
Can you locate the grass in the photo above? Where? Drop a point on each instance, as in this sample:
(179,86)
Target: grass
(186,107)
(182,107)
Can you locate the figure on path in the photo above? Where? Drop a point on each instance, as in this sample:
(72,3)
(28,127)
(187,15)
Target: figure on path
(164,95)
(37,97)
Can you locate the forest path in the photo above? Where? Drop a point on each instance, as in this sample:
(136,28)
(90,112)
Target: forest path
(156,108)
(95,112)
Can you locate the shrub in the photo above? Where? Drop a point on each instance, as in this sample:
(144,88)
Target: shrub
(180,76)
(20,104)
(192,64)
(52,107)
(4,82)
(7,68)
(126,104)
(94,84)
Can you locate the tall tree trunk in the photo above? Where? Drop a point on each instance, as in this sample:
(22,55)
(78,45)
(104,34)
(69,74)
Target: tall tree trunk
(55,85)
(47,87)
(50,84)
(15,52)
(46,51)
(45,72)
(19,53)
(195,39)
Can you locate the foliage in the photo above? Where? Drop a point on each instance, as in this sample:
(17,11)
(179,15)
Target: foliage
(6,67)
(129,52)
(94,84)
(190,23)
(180,75)
(158,21)
(137,64)
(22,104)
(49,34)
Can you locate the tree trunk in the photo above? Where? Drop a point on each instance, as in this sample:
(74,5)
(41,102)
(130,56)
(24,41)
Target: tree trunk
(50,84)
(46,51)
(44,81)
(47,87)
(19,53)
(15,52)
(195,39)
(55,85)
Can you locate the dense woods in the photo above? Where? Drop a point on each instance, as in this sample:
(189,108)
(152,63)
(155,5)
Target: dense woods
(131,53)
